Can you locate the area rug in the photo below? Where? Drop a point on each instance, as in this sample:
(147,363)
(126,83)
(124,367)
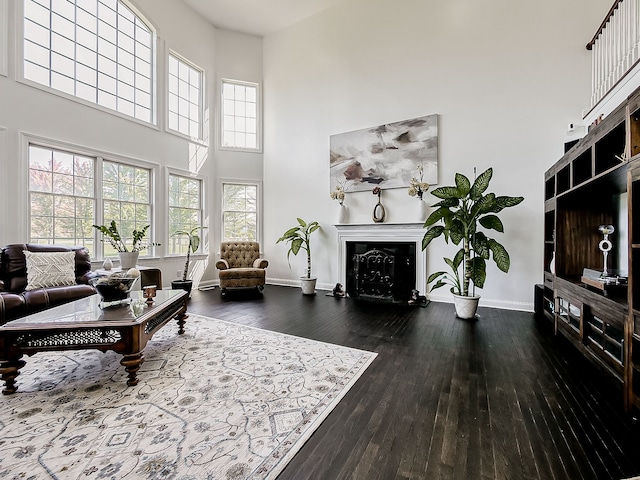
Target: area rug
(222,401)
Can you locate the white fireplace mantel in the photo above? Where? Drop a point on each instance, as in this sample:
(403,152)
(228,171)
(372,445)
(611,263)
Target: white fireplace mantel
(384,232)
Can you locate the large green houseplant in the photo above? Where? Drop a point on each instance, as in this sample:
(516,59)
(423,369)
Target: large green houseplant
(299,237)
(462,209)
(192,247)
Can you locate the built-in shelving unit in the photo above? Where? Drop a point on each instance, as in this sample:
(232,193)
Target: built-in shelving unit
(597,182)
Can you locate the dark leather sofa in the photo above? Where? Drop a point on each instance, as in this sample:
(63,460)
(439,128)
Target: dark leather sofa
(15,302)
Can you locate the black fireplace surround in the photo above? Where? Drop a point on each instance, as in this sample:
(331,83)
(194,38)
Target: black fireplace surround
(381,271)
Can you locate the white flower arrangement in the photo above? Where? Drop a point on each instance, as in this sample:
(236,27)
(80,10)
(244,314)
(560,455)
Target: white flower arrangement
(418,187)
(339,191)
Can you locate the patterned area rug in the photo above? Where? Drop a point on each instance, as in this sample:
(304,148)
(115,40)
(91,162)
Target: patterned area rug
(222,401)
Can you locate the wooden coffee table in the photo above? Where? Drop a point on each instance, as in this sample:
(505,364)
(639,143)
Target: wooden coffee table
(82,325)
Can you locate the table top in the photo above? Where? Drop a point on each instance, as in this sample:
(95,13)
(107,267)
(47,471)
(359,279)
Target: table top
(87,313)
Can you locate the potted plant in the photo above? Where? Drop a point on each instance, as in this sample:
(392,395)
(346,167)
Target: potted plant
(462,209)
(194,244)
(128,255)
(298,238)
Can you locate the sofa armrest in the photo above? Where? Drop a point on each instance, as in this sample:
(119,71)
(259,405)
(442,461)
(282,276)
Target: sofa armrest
(222,265)
(260,263)
(1,286)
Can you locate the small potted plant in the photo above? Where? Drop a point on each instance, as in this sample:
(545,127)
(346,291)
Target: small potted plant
(128,255)
(192,247)
(299,237)
(464,208)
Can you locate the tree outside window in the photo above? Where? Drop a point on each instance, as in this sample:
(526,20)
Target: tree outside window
(185,210)
(239,212)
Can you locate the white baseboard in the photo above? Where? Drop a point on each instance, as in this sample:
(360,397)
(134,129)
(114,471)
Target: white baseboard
(486,302)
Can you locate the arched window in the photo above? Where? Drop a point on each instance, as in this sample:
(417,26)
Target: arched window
(98,50)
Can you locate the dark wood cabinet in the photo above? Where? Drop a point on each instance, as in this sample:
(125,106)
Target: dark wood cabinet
(597,182)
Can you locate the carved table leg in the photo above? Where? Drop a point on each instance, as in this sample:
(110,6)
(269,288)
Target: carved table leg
(10,369)
(181,317)
(131,363)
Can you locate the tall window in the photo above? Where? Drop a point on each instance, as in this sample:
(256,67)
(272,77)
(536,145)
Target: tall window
(66,198)
(97,50)
(240,115)
(184,112)
(185,210)
(61,197)
(239,212)
(126,199)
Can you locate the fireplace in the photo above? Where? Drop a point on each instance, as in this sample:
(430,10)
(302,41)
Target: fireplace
(382,261)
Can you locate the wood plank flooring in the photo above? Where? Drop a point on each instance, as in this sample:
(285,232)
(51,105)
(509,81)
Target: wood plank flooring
(499,398)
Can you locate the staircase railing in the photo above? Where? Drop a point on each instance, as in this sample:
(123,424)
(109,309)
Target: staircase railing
(615,47)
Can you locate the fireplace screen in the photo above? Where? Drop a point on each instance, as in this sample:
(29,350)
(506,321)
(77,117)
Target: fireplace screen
(381,271)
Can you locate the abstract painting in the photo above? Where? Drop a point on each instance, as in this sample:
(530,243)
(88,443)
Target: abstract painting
(386,156)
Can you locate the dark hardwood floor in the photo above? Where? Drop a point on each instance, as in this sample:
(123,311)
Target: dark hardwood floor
(500,398)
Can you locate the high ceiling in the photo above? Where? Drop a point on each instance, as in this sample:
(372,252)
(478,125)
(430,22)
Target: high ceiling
(257,17)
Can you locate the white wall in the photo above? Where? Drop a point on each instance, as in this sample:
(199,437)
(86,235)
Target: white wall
(28,110)
(506,77)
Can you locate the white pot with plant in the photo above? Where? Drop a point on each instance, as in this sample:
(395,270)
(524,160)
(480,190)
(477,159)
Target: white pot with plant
(459,214)
(192,247)
(299,237)
(128,254)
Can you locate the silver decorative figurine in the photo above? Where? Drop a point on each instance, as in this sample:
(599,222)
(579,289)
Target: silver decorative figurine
(605,245)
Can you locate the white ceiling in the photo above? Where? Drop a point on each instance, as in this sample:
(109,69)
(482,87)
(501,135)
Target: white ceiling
(257,17)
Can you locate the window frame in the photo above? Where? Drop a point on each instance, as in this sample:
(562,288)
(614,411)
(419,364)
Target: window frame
(98,253)
(203,250)
(201,98)
(155,47)
(259,202)
(258,87)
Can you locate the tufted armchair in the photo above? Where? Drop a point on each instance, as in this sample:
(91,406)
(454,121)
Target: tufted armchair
(240,265)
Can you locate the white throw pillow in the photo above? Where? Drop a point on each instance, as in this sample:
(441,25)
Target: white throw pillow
(50,269)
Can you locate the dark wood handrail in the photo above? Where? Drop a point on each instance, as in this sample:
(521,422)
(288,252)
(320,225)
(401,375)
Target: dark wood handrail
(603,24)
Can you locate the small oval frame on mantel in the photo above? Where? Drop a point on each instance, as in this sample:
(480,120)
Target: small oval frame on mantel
(378,213)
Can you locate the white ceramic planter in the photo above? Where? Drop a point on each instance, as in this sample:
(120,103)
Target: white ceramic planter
(308,285)
(466,307)
(128,259)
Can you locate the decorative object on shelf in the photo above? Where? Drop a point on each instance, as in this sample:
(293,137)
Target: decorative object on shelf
(299,237)
(552,263)
(343,214)
(605,246)
(378,155)
(338,193)
(462,209)
(149,292)
(114,289)
(192,246)
(107,264)
(417,187)
(378,211)
(115,239)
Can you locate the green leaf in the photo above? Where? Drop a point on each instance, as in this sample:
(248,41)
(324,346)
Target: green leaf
(480,246)
(435,216)
(447,203)
(439,284)
(433,232)
(446,193)
(484,205)
(481,184)
(195,242)
(492,222)
(478,271)
(302,222)
(500,255)
(456,231)
(449,262)
(504,202)
(435,275)
(457,260)
(295,245)
(463,185)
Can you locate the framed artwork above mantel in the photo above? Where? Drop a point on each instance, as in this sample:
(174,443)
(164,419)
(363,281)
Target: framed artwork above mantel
(387,155)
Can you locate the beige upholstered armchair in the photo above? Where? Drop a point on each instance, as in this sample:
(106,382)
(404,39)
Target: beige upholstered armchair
(240,265)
